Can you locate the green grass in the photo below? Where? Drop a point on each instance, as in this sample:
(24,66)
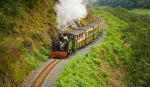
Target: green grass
(83,72)
(141,11)
(87,71)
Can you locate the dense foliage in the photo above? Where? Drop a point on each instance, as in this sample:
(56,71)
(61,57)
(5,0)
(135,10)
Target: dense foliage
(141,11)
(26,28)
(137,35)
(129,4)
(12,9)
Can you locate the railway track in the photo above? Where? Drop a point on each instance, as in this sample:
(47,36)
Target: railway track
(40,79)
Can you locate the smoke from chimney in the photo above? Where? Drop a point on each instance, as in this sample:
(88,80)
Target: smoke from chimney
(68,11)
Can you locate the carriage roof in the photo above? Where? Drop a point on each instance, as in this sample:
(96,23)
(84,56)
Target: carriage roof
(95,22)
(86,27)
(76,32)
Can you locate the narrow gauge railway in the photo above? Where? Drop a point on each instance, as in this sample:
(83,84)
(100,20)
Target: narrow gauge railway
(69,42)
(40,79)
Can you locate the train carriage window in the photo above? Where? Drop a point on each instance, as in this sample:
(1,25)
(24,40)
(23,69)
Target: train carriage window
(76,37)
(80,35)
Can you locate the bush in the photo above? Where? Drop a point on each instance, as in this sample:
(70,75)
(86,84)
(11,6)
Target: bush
(13,9)
(5,24)
(32,3)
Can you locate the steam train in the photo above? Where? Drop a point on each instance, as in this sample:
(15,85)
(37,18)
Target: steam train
(69,42)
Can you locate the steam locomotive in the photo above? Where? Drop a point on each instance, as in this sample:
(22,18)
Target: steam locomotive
(69,42)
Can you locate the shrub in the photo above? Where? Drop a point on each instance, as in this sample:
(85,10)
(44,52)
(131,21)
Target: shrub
(32,3)
(5,24)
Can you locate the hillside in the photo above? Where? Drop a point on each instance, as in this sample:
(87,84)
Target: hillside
(26,28)
(137,37)
(128,4)
(121,60)
(141,11)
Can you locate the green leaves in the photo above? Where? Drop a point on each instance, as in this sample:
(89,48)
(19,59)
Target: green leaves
(129,4)
(5,24)
(32,4)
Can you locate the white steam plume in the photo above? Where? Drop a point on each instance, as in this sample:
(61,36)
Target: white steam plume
(68,11)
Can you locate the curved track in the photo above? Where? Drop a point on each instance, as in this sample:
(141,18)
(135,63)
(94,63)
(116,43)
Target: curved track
(47,75)
(38,78)
(42,76)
